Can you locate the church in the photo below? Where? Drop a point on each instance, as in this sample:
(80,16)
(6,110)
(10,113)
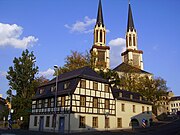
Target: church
(81,100)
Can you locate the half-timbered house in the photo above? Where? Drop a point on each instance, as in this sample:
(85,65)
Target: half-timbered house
(85,102)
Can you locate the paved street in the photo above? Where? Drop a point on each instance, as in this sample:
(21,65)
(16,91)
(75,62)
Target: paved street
(163,129)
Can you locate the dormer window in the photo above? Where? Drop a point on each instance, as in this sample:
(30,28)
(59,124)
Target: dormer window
(41,91)
(66,85)
(131,96)
(53,88)
(140,98)
(120,94)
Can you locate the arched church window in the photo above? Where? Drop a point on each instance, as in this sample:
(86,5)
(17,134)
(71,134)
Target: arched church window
(100,35)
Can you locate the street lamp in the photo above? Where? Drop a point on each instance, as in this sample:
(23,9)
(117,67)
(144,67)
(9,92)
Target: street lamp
(10,109)
(55,95)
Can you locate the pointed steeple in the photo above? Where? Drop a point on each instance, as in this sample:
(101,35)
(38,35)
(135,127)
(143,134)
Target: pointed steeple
(100,15)
(130,24)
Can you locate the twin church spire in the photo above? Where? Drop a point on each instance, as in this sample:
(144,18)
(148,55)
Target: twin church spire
(132,55)
(100,51)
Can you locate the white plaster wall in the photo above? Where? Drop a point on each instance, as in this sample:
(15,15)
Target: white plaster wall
(176,105)
(88,120)
(128,114)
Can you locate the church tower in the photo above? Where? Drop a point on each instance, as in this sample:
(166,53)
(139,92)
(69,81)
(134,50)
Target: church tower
(99,50)
(132,55)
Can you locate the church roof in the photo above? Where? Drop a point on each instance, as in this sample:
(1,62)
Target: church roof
(99,20)
(126,68)
(175,98)
(130,24)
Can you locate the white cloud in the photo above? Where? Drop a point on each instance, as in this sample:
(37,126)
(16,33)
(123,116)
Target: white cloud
(117,46)
(10,36)
(82,26)
(85,26)
(48,73)
(3,73)
(117,42)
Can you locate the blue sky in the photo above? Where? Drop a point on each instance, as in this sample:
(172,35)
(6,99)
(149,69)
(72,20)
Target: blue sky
(53,28)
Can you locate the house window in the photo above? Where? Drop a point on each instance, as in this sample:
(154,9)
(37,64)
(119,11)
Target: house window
(62,101)
(120,94)
(106,104)
(134,108)
(43,103)
(83,84)
(119,122)
(82,101)
(53,88)
(66,85)
(142,109)
(52,102)
(123,107)
(95,122)
(147,109)
(53,121)
(107,122)
(41,91)
(95,85)
(49,103)
(131,96)
(106,88)
(35,121)
(95,102)
(47,121)
(140,98)
(82,122)
(40,104)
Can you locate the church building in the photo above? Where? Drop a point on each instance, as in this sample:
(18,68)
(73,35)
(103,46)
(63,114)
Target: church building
(100,51)
(81,100)
(132,60)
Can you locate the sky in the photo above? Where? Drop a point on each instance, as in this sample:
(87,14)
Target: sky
(54,28)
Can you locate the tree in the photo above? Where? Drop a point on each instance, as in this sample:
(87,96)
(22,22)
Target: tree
(111,76)
(152,89)
(21,78)
(76,60)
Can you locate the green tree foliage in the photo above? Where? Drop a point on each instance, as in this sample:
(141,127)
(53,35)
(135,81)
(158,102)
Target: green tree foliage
(112,76)
(76,60)
(21,78)
(152,89)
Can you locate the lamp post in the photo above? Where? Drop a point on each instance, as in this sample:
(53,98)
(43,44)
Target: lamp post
(55,96)
(9,116)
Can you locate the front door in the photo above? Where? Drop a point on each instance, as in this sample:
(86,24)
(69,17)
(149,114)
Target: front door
(61,124)
(41,123)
